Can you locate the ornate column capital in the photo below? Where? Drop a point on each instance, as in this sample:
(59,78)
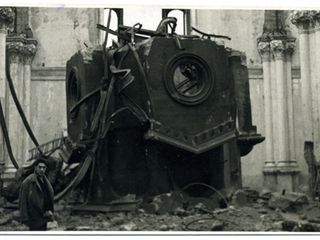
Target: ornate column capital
(6,17)
(29,51)
(316,18)
(278,48)
(14,51)
(264,51)
(20,48)
(290,48)
(303,19)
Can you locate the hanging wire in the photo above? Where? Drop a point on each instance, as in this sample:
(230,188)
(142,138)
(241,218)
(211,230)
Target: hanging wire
(198,183)
(214,218)
(6,137)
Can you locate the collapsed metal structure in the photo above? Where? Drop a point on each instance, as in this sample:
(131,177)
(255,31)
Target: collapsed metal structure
(154,113)
(157,111)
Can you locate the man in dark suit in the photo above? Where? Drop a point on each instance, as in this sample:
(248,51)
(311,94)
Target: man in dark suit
(36,198)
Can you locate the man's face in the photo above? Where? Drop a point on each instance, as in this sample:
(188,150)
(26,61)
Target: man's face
(41,169)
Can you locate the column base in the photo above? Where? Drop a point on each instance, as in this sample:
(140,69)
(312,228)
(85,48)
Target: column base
(287,176)
(287,182)
(269,176)
(269,167)
(288,167)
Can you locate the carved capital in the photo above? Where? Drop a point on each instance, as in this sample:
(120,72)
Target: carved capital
(303,19)
(20,48)
(278,48)
(316,18)
(290,47)
(6,17)
(14,51)
(264,51)
(29,51)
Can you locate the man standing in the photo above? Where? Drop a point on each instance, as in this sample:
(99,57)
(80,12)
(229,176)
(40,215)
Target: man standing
(36,198)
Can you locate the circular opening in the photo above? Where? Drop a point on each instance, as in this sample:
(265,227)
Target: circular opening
(188,78)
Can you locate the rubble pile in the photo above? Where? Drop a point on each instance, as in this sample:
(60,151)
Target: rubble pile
(246,210)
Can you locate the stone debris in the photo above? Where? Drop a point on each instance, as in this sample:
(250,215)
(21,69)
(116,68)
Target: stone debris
(290,212)
(128,227)
(164,227)
(82,228)
(6,220)
(117,221)
(166,203)
(265,194)
(208,204)
(239,198)
(104,225)
(287,202)
(52,226)
(217,225)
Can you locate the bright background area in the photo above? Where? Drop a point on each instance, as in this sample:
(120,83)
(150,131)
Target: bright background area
(148,16)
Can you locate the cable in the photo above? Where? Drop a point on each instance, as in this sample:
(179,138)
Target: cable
(6,137)
(16,101)
(198,183)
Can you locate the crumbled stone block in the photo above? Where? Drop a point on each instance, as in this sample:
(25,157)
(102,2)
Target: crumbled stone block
(217,225)
(287,202)
(117,221)
(239,198)
(128,227)
(204,203)
(166,203)
(52,225)
(164,227)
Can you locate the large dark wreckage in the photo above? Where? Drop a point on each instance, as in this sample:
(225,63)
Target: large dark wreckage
(154,113)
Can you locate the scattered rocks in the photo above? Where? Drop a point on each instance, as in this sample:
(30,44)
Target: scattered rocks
(244,213)
(287,202)
(82,228)
(150,208)
(104,225)
(15,215)
(265,194)
(239,198)
(288,225)
(3,201)
(128,227)
(117,221)
(203,204)
(262,211)
(164,227)
(277,225)
(217,225)
(5,220)
(165,203)
(51,226)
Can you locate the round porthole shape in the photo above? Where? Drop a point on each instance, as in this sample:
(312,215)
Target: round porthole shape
(188,78)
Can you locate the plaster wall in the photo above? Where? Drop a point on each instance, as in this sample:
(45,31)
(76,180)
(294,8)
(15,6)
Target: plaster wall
(60,33)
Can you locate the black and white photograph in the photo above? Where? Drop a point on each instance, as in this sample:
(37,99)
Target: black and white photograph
(159,119)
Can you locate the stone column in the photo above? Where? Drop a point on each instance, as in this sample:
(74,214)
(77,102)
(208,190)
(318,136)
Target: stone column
(286,167)
(15,47)
(278,48)
(6,18)
(269,167)
(303,20)
(29,52)
(316,49)
(290,47)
